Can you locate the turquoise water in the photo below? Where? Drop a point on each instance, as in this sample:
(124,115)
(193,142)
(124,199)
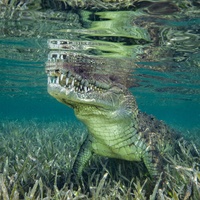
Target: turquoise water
(151,47)
(166,62)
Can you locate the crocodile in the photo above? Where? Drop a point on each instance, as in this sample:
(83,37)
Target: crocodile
(103,102)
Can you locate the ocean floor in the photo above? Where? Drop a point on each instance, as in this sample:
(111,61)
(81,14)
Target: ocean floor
(36,158)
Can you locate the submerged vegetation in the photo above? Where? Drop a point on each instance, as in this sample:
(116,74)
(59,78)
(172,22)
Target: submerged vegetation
(36,157)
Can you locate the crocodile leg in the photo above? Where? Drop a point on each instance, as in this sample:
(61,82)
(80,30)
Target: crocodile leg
(152,162)
(82,158)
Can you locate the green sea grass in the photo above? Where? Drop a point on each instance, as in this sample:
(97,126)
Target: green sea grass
(36,158)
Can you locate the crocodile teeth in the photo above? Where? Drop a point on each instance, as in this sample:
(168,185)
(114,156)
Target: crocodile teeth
(68,74)
(67,81)
(57,80)
(63,90)
(49,80)
(61,77)
(73,82)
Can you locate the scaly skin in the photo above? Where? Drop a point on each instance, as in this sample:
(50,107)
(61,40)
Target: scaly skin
(116,128)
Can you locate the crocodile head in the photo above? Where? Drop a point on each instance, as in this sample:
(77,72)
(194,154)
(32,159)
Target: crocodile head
(86,86)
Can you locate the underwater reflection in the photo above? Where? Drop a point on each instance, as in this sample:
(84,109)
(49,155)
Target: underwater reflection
(123,42)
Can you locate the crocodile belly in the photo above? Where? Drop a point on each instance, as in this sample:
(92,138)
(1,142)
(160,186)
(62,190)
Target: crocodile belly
(127,152)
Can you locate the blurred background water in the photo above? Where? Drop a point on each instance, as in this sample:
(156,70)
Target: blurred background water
(160,41)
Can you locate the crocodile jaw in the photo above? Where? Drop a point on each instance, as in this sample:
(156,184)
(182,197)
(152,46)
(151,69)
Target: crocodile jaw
(93,103)
(81,93)
(107,115)
(74,91)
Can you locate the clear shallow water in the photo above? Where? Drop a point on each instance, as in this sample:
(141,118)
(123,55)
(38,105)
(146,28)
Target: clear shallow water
(163,52)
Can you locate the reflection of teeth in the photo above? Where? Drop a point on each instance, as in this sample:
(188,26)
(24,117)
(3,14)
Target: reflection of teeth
(85,88)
